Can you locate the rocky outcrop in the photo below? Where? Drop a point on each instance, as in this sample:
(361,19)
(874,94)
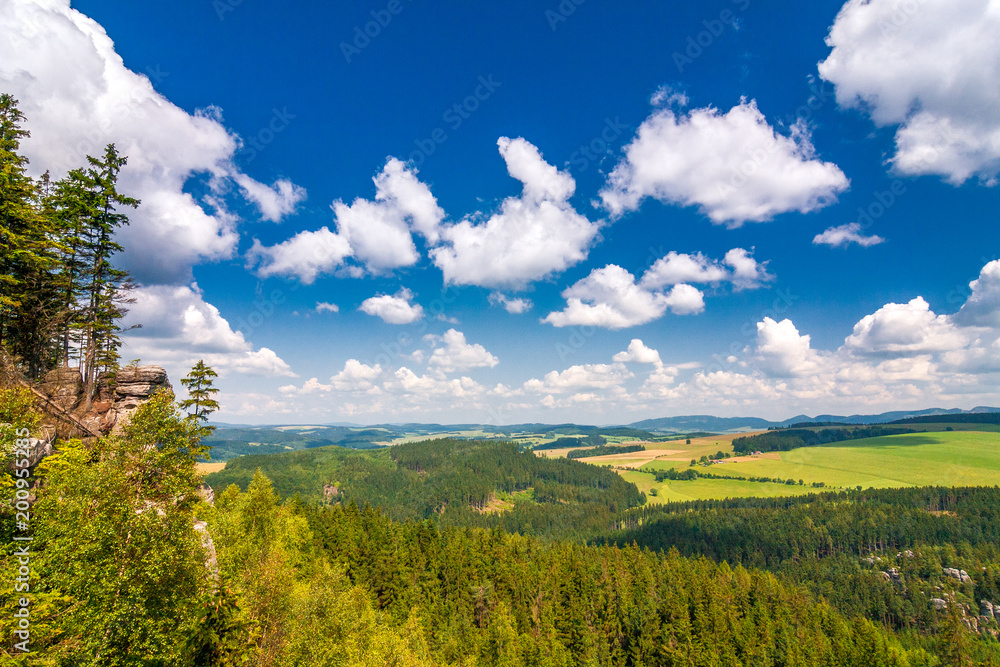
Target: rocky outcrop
(38,450)
(64,387)
(961,575)
(211,559)
(133,386)
(939,604)
(117,397)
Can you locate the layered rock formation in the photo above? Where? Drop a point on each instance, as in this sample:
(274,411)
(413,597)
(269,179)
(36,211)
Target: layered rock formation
(118,397)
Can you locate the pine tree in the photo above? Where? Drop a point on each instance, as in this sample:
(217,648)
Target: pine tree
(200,403)
(106,287)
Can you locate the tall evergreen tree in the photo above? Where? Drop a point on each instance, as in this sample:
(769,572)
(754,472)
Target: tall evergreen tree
(200,403)
(106,286)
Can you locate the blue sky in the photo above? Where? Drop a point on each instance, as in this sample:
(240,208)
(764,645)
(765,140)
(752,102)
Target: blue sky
(579,212)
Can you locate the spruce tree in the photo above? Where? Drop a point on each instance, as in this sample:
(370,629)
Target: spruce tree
(200,402)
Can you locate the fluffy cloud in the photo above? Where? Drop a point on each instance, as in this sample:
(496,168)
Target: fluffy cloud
(323,307)
(677,268)
(424,389)
(846,235)
(379,231)
(376,233)
(609,297)
(457,355)
(931,68)
(783,352)
(584,376)
(393,309)
(982,308)
(78,96)
(306,255)
(179,327)
(274,201)
(528,238)
(748,273)
(904,329)
(639,353)
(514,306)
(733,166)
(356,376)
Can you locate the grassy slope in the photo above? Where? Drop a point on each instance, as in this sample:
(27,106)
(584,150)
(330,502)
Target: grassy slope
(941,458)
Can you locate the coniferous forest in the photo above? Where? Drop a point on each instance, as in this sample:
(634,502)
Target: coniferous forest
(441,552)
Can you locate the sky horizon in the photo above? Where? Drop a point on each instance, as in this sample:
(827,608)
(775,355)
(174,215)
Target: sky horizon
(542,212)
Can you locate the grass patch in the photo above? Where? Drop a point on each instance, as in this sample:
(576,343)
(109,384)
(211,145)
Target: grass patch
(953,458)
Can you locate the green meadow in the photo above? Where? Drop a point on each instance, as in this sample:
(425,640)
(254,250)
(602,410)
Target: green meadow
(959,458)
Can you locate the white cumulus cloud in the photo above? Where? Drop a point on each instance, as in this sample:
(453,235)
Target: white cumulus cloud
(78,96)
(931,68)
(307,255)
(529,238)
(904,329)
(845,235)
(639,353)
(395,309)
(455,354)
(512,305)
(733,166)
(609,297)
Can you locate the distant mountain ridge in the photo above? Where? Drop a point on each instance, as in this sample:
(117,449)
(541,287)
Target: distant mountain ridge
(710,423)
(679,424)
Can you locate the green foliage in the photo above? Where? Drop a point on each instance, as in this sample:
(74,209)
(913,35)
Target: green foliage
(118,567)
(451,481)
(61,294)
(200,402)
(604,451)
(509,600)
(783,440)
(18,419)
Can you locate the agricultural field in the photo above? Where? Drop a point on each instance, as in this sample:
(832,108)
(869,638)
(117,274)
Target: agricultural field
(953,458)
(706,489)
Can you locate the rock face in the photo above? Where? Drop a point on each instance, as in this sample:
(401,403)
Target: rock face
(133,386)
(38,450)
(938,603)
(63,386)
(961,575)
(118,397)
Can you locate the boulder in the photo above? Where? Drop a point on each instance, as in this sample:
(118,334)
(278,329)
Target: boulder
(987,609)
(955,573)
(149,374)
(38,450)
(206,493)
(939,604)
